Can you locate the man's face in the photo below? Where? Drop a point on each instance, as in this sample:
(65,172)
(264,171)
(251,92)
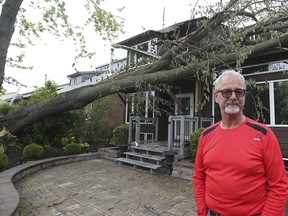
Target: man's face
(230,102)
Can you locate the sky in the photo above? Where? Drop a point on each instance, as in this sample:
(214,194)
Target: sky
(52,60)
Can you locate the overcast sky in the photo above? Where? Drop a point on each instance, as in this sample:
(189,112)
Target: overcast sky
(53,60)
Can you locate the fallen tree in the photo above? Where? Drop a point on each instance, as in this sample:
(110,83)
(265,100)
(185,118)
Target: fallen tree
(223,41)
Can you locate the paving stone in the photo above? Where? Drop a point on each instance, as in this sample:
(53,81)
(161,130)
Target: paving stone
(102,187)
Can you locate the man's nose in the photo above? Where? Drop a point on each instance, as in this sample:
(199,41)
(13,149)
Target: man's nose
(233,96)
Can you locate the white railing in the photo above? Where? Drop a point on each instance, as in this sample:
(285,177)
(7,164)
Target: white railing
(179,131)
(143,130)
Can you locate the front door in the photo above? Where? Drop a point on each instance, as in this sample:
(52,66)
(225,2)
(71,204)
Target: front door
(185,107)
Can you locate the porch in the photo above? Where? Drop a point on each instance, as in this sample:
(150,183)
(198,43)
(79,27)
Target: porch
(146,152)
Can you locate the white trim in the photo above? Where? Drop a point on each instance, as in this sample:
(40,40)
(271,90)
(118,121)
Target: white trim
(271,102)
(265,72)
(270,68)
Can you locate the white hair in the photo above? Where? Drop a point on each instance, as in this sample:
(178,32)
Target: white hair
(232,74)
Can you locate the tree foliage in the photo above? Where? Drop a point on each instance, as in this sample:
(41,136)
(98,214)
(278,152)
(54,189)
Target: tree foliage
(98,126)
(225,37)
(43,93)
(50,130)
(30,21)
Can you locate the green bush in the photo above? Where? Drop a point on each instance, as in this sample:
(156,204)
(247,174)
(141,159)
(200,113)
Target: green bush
(120,134)
(3,160)
(5,108)
(2,148)
(33,151)
(194,139)
(72,148)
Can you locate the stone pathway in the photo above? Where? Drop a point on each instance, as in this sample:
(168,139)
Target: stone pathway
(102,188)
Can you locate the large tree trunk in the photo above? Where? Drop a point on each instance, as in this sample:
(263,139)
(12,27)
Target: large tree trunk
(7,21)
(17,121)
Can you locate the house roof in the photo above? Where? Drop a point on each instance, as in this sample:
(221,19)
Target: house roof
(150,34)
(80,73)
(140,38)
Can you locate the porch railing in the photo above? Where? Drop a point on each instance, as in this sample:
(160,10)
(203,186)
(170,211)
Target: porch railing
(179,131)
(143,130)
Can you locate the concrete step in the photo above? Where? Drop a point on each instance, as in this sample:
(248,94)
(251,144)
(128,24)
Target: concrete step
(149,149)
(139,164)
(146,156)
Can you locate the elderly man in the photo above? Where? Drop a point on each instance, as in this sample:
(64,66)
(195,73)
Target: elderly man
(239,170)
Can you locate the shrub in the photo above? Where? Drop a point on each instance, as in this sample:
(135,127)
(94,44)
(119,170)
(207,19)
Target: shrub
(194,139)
(120,134)
(72,148)
(5,108)
(49,151)
(3,160)
(33,151)
(2,148)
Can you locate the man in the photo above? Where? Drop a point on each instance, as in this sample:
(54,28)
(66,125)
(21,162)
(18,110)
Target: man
(239,170)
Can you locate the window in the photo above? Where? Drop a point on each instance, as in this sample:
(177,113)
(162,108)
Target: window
(257,103)
(268,101)
(283,65)
(140,104)
(140,59)
(281,102)
(186,103)
(271,100)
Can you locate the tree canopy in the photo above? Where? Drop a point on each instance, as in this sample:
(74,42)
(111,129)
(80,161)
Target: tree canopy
(30,21)
(228,34)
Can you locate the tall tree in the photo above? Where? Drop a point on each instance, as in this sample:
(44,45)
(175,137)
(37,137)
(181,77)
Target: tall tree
(228,34)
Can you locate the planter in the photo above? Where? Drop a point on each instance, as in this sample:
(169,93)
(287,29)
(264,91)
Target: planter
(169,155)
(123,148)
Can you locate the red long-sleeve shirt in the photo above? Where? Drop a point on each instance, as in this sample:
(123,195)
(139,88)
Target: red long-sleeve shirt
(240,171)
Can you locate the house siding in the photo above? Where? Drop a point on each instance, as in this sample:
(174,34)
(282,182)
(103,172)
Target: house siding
(281,134)
(116,111)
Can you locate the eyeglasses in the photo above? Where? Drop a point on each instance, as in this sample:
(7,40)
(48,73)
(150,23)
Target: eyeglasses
(226,93)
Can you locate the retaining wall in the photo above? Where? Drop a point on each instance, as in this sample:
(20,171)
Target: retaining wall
(9,197)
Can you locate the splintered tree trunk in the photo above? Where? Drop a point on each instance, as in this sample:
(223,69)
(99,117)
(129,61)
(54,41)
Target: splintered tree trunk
(16,121)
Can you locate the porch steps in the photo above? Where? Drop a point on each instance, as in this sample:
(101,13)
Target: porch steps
(139,164)
(145,156)
(142,157)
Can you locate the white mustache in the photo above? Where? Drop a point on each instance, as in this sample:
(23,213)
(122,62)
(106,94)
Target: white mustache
(232,103)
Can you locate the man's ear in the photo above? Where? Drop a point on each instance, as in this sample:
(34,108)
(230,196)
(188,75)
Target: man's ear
(216,97)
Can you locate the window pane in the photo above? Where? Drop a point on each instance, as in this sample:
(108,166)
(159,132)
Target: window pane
(257,103)
(140,102)
(151,104)
(279,65)
(129,105)
(281,102)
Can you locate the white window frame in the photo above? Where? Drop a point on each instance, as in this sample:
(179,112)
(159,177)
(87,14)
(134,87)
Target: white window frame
(272,102)
(191,95)
(146,105)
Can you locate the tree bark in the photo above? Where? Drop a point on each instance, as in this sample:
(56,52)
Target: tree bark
(7,22)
